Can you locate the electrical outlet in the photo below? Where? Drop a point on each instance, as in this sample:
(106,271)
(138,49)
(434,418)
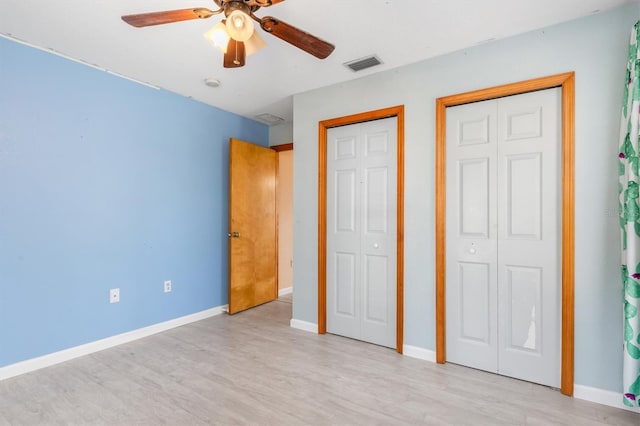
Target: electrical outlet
(167,286)
(114,295)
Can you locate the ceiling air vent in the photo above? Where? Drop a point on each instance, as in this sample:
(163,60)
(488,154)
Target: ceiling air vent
(269,119)
(363,63)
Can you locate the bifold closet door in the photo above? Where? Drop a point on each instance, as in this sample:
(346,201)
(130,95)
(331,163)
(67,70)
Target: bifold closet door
(361,231)
(503,236)
(471,230)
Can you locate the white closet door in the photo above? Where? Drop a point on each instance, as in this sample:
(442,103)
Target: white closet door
(529,278)
(503,236)
(361,231)
(471,299)
(344,231)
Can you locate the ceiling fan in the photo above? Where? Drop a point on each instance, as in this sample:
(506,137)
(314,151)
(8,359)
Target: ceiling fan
(235,34)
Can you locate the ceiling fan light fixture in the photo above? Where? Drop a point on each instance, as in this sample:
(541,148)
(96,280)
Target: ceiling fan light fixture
(239,25)
(254,44)
(218,36)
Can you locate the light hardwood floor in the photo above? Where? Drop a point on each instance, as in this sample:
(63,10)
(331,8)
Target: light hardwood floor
(252,368)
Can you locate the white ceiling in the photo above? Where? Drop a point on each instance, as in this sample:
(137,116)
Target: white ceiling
(176,57)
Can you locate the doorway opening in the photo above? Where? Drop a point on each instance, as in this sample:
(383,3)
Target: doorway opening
(284,196)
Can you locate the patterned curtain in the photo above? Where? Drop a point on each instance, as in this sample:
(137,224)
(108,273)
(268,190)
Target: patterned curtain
(629,191)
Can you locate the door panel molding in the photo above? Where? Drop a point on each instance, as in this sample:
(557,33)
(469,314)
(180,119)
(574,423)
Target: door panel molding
(323,126)
(566,81)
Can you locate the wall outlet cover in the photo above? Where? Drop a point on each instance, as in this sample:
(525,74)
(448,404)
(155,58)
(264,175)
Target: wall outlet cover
(167,286)
(114,295)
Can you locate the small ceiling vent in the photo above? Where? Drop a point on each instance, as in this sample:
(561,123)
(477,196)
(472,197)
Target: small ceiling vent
(363,63)
(269,119)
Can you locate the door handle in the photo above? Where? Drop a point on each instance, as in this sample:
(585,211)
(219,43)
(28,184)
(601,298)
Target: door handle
(234,235)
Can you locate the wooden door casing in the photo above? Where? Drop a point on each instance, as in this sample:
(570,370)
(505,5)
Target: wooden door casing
(567,82)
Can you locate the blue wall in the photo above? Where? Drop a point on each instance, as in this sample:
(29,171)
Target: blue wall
(105,183)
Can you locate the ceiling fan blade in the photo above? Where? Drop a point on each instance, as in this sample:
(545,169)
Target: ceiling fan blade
(235,55)
(300,39)
(167,16)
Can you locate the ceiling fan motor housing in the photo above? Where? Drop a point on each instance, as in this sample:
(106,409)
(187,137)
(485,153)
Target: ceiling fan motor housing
(236,5)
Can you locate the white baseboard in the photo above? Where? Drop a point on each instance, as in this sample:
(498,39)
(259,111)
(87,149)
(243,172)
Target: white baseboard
(284,291)
(99,345)
(419,353)
(303,325)
(601,396)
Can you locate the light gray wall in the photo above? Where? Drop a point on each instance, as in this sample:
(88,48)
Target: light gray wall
(281,134)
(595,48)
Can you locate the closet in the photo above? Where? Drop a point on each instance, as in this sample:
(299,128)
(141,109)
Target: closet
(503,241)
(361,231)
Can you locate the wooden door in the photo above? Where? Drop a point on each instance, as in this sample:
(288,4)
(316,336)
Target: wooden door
(361,231)
(252,226)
